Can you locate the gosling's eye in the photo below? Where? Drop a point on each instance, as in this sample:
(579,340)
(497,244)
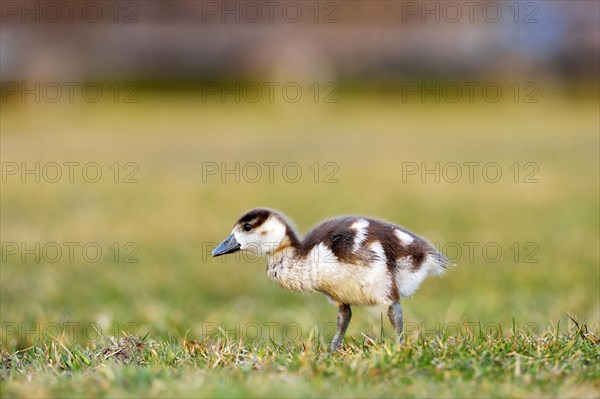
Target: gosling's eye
(247,227)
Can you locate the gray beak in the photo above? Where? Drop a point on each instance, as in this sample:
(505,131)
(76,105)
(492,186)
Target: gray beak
(228,246)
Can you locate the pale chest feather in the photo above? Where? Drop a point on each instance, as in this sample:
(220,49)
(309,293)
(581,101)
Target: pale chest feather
(366,283)
(290,273)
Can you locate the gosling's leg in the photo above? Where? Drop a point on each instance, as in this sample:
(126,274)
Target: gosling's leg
(343,320)
(395,315)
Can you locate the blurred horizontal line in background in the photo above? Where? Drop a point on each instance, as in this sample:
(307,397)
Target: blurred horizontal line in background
(325,40)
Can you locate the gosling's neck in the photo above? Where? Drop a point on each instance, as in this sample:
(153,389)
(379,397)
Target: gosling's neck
(290,271)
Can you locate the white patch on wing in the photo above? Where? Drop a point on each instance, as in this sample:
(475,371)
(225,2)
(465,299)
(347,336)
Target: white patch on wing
(377,248)
(409,280)
(349,283)
(361,233)
(404,237)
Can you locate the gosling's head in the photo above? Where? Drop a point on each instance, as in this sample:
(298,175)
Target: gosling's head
(261,231)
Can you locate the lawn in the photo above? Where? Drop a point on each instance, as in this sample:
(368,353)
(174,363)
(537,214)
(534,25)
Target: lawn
(126,253)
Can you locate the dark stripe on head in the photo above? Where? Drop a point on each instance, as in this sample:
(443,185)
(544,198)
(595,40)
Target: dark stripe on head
(256,217)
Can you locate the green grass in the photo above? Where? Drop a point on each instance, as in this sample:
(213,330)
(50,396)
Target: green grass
(554,363)
(176,293)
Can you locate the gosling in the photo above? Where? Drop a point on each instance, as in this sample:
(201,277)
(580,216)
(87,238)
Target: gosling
(353,260)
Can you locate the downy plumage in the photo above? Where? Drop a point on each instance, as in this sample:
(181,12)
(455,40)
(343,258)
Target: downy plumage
(353,260)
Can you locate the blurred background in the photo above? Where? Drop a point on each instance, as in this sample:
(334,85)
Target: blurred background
(134,133)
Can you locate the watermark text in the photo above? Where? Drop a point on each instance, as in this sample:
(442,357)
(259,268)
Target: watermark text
(69,171)
(269,172)
(68,252)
